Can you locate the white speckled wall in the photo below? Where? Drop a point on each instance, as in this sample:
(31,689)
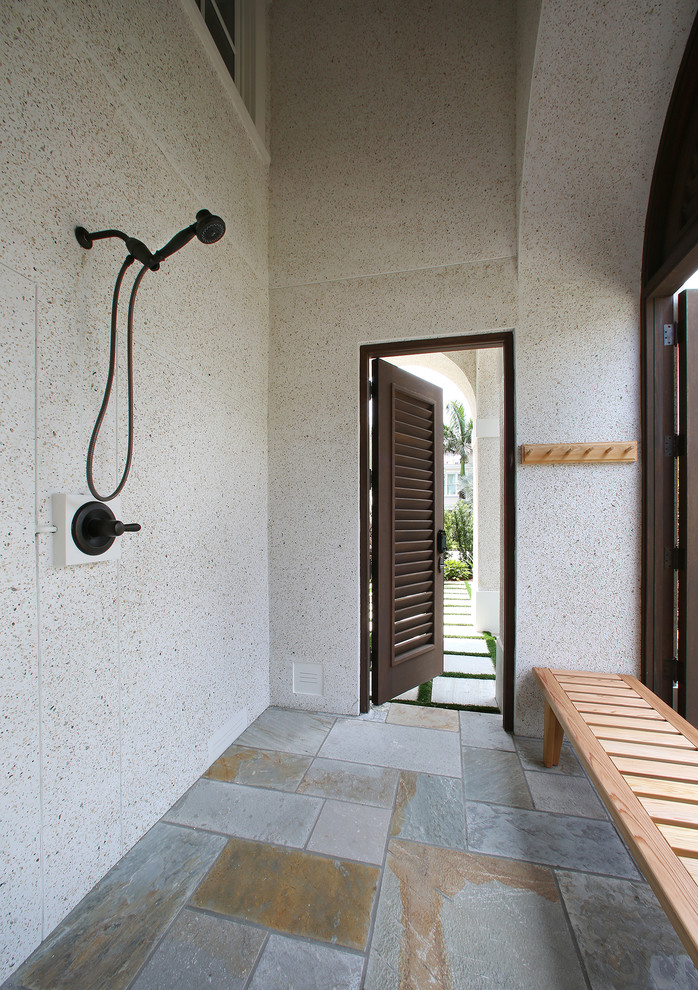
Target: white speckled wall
(113,677)
(397,137)
(598,99)
(392,218)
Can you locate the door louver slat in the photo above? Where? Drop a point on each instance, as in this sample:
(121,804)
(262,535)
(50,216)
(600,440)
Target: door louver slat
(409,465)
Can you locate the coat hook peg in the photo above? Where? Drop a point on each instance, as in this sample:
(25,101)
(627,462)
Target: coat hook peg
(607,450)
(627,449)
(568,451)
(548,452)
(586,452)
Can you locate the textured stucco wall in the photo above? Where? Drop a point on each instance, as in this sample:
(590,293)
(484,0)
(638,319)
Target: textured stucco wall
(488,494)
(392,217)
(394,149)
(113,676)
(599,95)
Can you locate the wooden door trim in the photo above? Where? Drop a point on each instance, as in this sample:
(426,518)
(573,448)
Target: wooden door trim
(670,256)
(505,340)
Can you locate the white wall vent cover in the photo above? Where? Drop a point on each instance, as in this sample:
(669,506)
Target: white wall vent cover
(226,735)
(307,678)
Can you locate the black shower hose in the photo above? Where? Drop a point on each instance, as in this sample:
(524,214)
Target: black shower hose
(110,380)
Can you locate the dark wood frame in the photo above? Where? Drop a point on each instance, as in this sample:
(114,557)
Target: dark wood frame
(670,257)
(505,340)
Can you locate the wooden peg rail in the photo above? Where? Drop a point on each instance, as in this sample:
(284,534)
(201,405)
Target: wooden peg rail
(578,453)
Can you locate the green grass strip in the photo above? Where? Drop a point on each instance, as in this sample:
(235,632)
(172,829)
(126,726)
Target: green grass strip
(424,694)
(458,708)
(491,646)
(471,677)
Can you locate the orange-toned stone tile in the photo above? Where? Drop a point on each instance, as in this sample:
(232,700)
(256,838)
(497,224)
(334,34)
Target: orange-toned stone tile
(259,768)
(444,917)
(429,718)
(292,891)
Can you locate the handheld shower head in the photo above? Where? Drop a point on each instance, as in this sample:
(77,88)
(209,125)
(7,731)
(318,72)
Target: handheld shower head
(209,228)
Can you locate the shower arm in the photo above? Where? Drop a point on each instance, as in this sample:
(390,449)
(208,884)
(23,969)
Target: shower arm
(135,247)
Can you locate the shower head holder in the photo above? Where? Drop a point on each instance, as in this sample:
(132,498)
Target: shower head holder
(207,227)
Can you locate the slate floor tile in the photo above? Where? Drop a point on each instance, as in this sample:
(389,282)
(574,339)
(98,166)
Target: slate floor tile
(105,940)
(495,776)
(259,768)
(350,782)
(248,812)
(482,730)
(556,840)
(565,794)
(449,919)
(292,891)
(287,731)
(403,747)
(531,753)
(202,952)
(429,808)
(351,831)
(427,718)
(288,964)
(626,940)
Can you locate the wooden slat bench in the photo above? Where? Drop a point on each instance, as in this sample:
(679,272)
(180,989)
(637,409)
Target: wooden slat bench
(643,759)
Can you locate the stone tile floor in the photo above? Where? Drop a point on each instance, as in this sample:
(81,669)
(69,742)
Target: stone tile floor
(410,848)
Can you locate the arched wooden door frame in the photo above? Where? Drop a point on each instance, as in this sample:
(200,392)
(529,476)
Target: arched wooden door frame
(670,257)
(505,340)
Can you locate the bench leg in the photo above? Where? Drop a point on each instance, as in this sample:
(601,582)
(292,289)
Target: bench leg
(552,738)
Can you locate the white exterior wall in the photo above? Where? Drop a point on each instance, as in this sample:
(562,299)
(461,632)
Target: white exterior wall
(487,448)
(393,217)
(396,144)
(113,676)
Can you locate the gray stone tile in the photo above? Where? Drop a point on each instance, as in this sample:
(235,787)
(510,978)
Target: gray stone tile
(399,746)
(556,840)
(626,940)
(259,768)
(350,782)
(565,794)
(287,964)
(531,754)
(495,776)
(202,951)
(105,940)
(351,831)
(463,691)
(451,919)
(459,664)
(287,732)
(484,731)
(429,808)
(246,812)
(454,643)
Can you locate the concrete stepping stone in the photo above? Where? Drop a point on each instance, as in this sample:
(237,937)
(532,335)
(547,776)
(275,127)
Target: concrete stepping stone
(463,691)
(454,664)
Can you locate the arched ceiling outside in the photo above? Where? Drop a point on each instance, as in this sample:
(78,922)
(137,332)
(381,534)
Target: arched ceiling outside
(447,367)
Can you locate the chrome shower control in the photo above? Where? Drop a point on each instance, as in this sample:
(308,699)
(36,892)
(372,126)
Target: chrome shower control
(95,527)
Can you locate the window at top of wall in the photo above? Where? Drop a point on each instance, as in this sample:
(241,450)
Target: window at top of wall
(237,28)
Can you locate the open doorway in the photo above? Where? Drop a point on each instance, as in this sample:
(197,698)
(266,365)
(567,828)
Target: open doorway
(495,579)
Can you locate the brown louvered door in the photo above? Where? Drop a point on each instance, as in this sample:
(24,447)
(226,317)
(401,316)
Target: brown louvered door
(407,513)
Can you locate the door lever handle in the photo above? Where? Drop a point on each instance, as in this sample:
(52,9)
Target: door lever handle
(441,541)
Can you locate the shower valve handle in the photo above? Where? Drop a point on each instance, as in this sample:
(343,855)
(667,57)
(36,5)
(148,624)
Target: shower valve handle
(111,528)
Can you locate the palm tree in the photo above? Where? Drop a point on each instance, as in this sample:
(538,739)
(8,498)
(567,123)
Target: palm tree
(458,434)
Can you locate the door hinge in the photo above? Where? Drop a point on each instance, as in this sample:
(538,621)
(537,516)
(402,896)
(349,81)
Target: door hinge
(670,335)
(672,445)
(674,669)
(675,558)
(371,389)
(370,477)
